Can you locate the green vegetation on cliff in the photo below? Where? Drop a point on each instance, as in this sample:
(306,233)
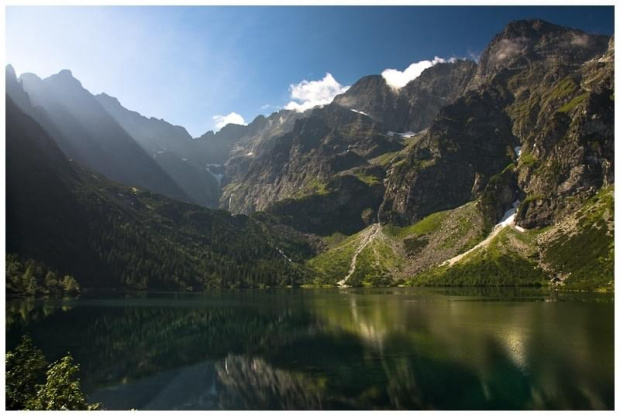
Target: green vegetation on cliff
(583,252)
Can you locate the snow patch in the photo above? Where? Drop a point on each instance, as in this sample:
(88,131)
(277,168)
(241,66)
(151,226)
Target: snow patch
(518,151)
(359,112)
(405,135)
(250,154)
(509,216)
(218,177)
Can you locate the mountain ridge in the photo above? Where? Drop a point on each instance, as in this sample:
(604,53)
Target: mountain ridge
(529,125)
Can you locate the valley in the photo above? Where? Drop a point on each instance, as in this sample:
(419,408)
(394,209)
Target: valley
(384,186)
(345,208)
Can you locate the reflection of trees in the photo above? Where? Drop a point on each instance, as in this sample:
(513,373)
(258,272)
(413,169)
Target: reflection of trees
(400,350)
(120,344)
(28,310)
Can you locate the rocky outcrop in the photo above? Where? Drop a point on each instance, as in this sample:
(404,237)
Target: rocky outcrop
(452,162)
(565,124)
(413,107)
(347,205)
(540,87)
(236,141)
(331,140)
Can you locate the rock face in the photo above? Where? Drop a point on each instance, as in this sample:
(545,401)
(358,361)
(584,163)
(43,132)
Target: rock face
(346,205)
(332,141)
(413,107)
(451,163)
(562,112)
(534,43)
(542,87)
(236,141)
(532,121)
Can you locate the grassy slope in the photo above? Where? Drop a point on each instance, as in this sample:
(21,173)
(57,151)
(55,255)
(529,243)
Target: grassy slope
(578,251)
(506,261)
(397,252)
(581,250)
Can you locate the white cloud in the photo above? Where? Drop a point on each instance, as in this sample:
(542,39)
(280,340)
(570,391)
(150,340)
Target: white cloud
(509,48)
(580,39)
(231,118)
(308,94)
(398,79)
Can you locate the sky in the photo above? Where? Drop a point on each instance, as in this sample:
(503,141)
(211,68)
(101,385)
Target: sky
(204,66)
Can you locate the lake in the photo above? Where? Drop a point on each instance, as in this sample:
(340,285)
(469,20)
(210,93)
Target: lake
(332,349)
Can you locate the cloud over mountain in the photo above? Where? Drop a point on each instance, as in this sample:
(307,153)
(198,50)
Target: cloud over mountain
(308,94)
(230,118)
(398,79)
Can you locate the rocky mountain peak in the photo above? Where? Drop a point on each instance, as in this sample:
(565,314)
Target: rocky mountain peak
(413,107)
(530,28)
(10,72)
(532,43)
(109,100)
(65,79)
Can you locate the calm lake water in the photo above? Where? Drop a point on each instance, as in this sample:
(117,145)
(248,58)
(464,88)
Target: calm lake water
(332,349)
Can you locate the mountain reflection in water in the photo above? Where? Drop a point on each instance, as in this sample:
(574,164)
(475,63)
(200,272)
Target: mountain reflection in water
(330,349)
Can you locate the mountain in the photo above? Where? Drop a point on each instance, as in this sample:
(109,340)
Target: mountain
(229,152)
(115,236)
(102,135)
(489,173)
(509,182)
(171,147)
(525,141)
(326,155)
(413,107)
(520,114)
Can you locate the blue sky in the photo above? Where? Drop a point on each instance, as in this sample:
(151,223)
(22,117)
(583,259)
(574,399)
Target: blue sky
(188,65)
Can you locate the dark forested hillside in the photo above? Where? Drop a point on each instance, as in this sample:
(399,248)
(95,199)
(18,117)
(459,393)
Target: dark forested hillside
(110,235)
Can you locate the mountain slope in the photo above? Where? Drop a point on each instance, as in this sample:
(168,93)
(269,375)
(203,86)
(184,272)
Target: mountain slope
(89,135)
(533,129)
(311,163)
(525,106)
(171,147)
(109,235)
